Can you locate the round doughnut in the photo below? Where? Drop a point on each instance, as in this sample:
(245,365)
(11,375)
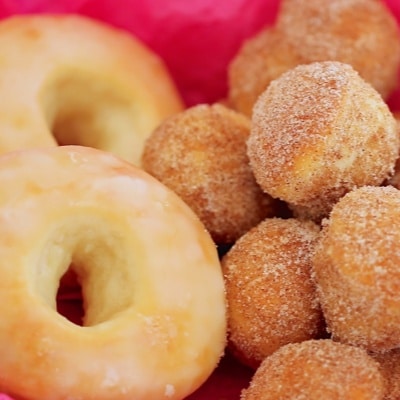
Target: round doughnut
(315,370)
(318,131)
(270,294)
(71,80)
(143,260)
(261,59)
(362,33)
(356,269)
(200,153)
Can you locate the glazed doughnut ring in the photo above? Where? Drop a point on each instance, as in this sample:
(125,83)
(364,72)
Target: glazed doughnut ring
(143,259)
(71,80)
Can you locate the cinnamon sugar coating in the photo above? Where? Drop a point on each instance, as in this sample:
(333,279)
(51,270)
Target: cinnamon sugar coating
(319,131)
(389,362)
(395,179)
(356,269)
(315,370)
(270,294)
(201,155)
(260,60)
(362,33)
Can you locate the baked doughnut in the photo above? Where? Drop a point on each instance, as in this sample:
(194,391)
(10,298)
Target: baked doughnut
(260,60)
(143,259)
(318,131)
(362,33)
(70,80)
(270,294)
(356,268)
(200,153)
(315,370)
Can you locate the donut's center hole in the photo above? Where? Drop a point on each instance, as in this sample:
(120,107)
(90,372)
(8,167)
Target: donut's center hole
(94,111)
(70,298)
(83,272)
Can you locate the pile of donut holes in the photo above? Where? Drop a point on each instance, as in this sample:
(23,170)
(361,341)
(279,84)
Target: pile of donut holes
(294,174)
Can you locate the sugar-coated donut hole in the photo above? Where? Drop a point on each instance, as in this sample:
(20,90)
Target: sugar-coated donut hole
(200,154)
(83,109)
(92,252)
(269,290)
(355,267)
(319,131)
(317,369)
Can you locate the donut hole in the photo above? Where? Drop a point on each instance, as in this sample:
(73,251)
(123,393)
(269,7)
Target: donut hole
(90,257)
(93,111)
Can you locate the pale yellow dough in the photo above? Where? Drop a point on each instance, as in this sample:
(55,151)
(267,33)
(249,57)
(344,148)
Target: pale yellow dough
(153,290)
(71,80)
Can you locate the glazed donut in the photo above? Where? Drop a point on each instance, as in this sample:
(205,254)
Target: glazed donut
(356,269)
(143,259)
(314,370)
(318,131)
(71,80)
(200,153)
(270,294)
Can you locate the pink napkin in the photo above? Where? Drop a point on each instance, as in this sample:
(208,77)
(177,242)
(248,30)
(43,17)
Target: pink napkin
(196,38)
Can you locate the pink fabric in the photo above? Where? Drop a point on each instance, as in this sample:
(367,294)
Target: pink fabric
(197,39)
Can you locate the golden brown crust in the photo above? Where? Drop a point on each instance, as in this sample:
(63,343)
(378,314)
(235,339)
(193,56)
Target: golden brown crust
(362,33)
(271,297)
(260,60)
(356,268)
(315,370)
(318,131)
(395,179)
(389,362)
(201,154)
